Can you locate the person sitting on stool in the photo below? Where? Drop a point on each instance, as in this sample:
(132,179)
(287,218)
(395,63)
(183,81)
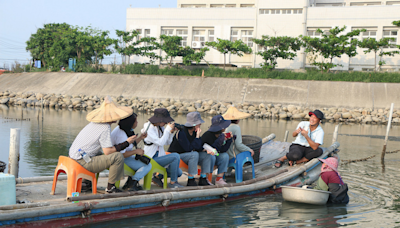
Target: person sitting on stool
(309,136)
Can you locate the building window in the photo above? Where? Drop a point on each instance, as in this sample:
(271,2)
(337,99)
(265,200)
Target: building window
(275,11)
(368,34)
(393,3)
(365,3)
(184,34)
(391,34)
(216,6)
(168,32)
(199,38)
(230,6)
(286,11)
(264,11)
(246,5)
(312,32)
(234,35)
(139,34)
(329,4)
(147,33)
(210,35)
(297,11)
(247,37)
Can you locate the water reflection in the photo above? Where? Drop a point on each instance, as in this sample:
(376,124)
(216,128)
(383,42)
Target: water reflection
(373,194)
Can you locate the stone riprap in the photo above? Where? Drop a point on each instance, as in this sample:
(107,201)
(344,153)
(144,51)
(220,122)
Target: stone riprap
(210,107)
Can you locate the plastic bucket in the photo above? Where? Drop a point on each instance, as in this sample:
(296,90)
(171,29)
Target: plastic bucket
(255,143)
(7,186)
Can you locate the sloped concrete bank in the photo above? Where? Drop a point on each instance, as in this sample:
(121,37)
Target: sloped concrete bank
(265,98)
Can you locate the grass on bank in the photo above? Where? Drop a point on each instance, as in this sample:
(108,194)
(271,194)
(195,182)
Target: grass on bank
(310,74)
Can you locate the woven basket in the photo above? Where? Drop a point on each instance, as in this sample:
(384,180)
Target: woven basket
(254,142)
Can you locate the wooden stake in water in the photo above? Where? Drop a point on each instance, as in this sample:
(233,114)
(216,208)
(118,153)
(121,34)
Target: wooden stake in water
(286,136)
(387,133)
(13,159)
(335,134)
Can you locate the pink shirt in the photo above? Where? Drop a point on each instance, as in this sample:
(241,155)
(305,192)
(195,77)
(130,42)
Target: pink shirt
(331,177)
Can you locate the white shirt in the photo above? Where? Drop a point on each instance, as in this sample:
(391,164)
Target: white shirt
(91,139)
(158,139)
(316,136)
(119,136)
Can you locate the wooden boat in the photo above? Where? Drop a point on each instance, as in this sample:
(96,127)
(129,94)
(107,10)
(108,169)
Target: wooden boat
(45,210)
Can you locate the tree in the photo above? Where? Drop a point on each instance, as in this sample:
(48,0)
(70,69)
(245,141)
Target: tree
(101,46)
(226,46)
(331,45)
(196,56)
(373,45)
(46,44)
(277,47)
(397,23)
(121,44)
(171,45)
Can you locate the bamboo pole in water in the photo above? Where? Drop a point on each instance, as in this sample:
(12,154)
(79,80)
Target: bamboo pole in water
(335,134)
(286,136)
(13,159)
(387,133)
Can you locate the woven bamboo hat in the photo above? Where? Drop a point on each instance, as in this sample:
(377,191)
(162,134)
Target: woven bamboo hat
(108,112)
(234,114)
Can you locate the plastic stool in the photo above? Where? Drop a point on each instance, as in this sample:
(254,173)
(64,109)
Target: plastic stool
(155,167)
(184,167)
(238,162)
(75,172)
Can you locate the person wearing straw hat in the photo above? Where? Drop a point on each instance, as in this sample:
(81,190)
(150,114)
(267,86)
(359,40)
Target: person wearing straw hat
(133,155)
(221,142)
(309,136)
(234,115)
(96,136)
(160,131)
(187,143)
(330,180)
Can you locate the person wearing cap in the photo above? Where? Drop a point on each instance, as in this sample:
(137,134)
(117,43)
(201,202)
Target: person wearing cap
(309,136)
(237,147)
(96,136)
(120,134)
(330,180)
(221,142)
(160,131)
(187,143)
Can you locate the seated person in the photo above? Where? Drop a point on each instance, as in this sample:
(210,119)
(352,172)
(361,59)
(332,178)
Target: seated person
(234,115)
(120,134)
(157,138)
(96,136)
(309,136)
(218,140)
(330,180)
(187,143)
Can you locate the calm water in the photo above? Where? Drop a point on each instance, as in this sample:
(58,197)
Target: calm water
(374,192)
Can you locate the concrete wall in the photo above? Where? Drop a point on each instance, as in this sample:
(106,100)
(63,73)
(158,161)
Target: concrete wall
(238,90)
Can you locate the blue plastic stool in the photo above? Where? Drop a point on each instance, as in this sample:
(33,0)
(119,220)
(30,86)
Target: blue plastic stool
(238,162)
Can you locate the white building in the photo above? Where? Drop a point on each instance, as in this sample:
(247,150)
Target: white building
(200,21)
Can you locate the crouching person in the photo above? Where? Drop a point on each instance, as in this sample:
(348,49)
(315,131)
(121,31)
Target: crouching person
(187,143)
(218,140)
(96,136)
(330,180)
(120,134)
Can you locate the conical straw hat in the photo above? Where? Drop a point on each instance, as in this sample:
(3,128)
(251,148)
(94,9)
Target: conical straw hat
(108,112)
(234,114)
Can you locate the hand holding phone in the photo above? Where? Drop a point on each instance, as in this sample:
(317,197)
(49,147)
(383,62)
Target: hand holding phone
(228,135)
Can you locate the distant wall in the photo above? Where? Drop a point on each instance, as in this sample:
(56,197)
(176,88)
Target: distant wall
(305,93)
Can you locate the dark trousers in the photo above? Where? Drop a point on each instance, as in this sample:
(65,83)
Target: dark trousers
(297,152)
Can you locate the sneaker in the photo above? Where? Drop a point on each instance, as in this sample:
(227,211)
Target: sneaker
(113,190)
(203,181)
(209,183)
(128,184)
(135,186)
(175,185)
(221,182)
(157,181)
(191,182)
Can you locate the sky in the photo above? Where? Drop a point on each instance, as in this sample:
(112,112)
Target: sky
(21,18)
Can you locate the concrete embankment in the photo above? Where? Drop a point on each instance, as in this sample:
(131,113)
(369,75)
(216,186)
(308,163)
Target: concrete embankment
(264,98)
